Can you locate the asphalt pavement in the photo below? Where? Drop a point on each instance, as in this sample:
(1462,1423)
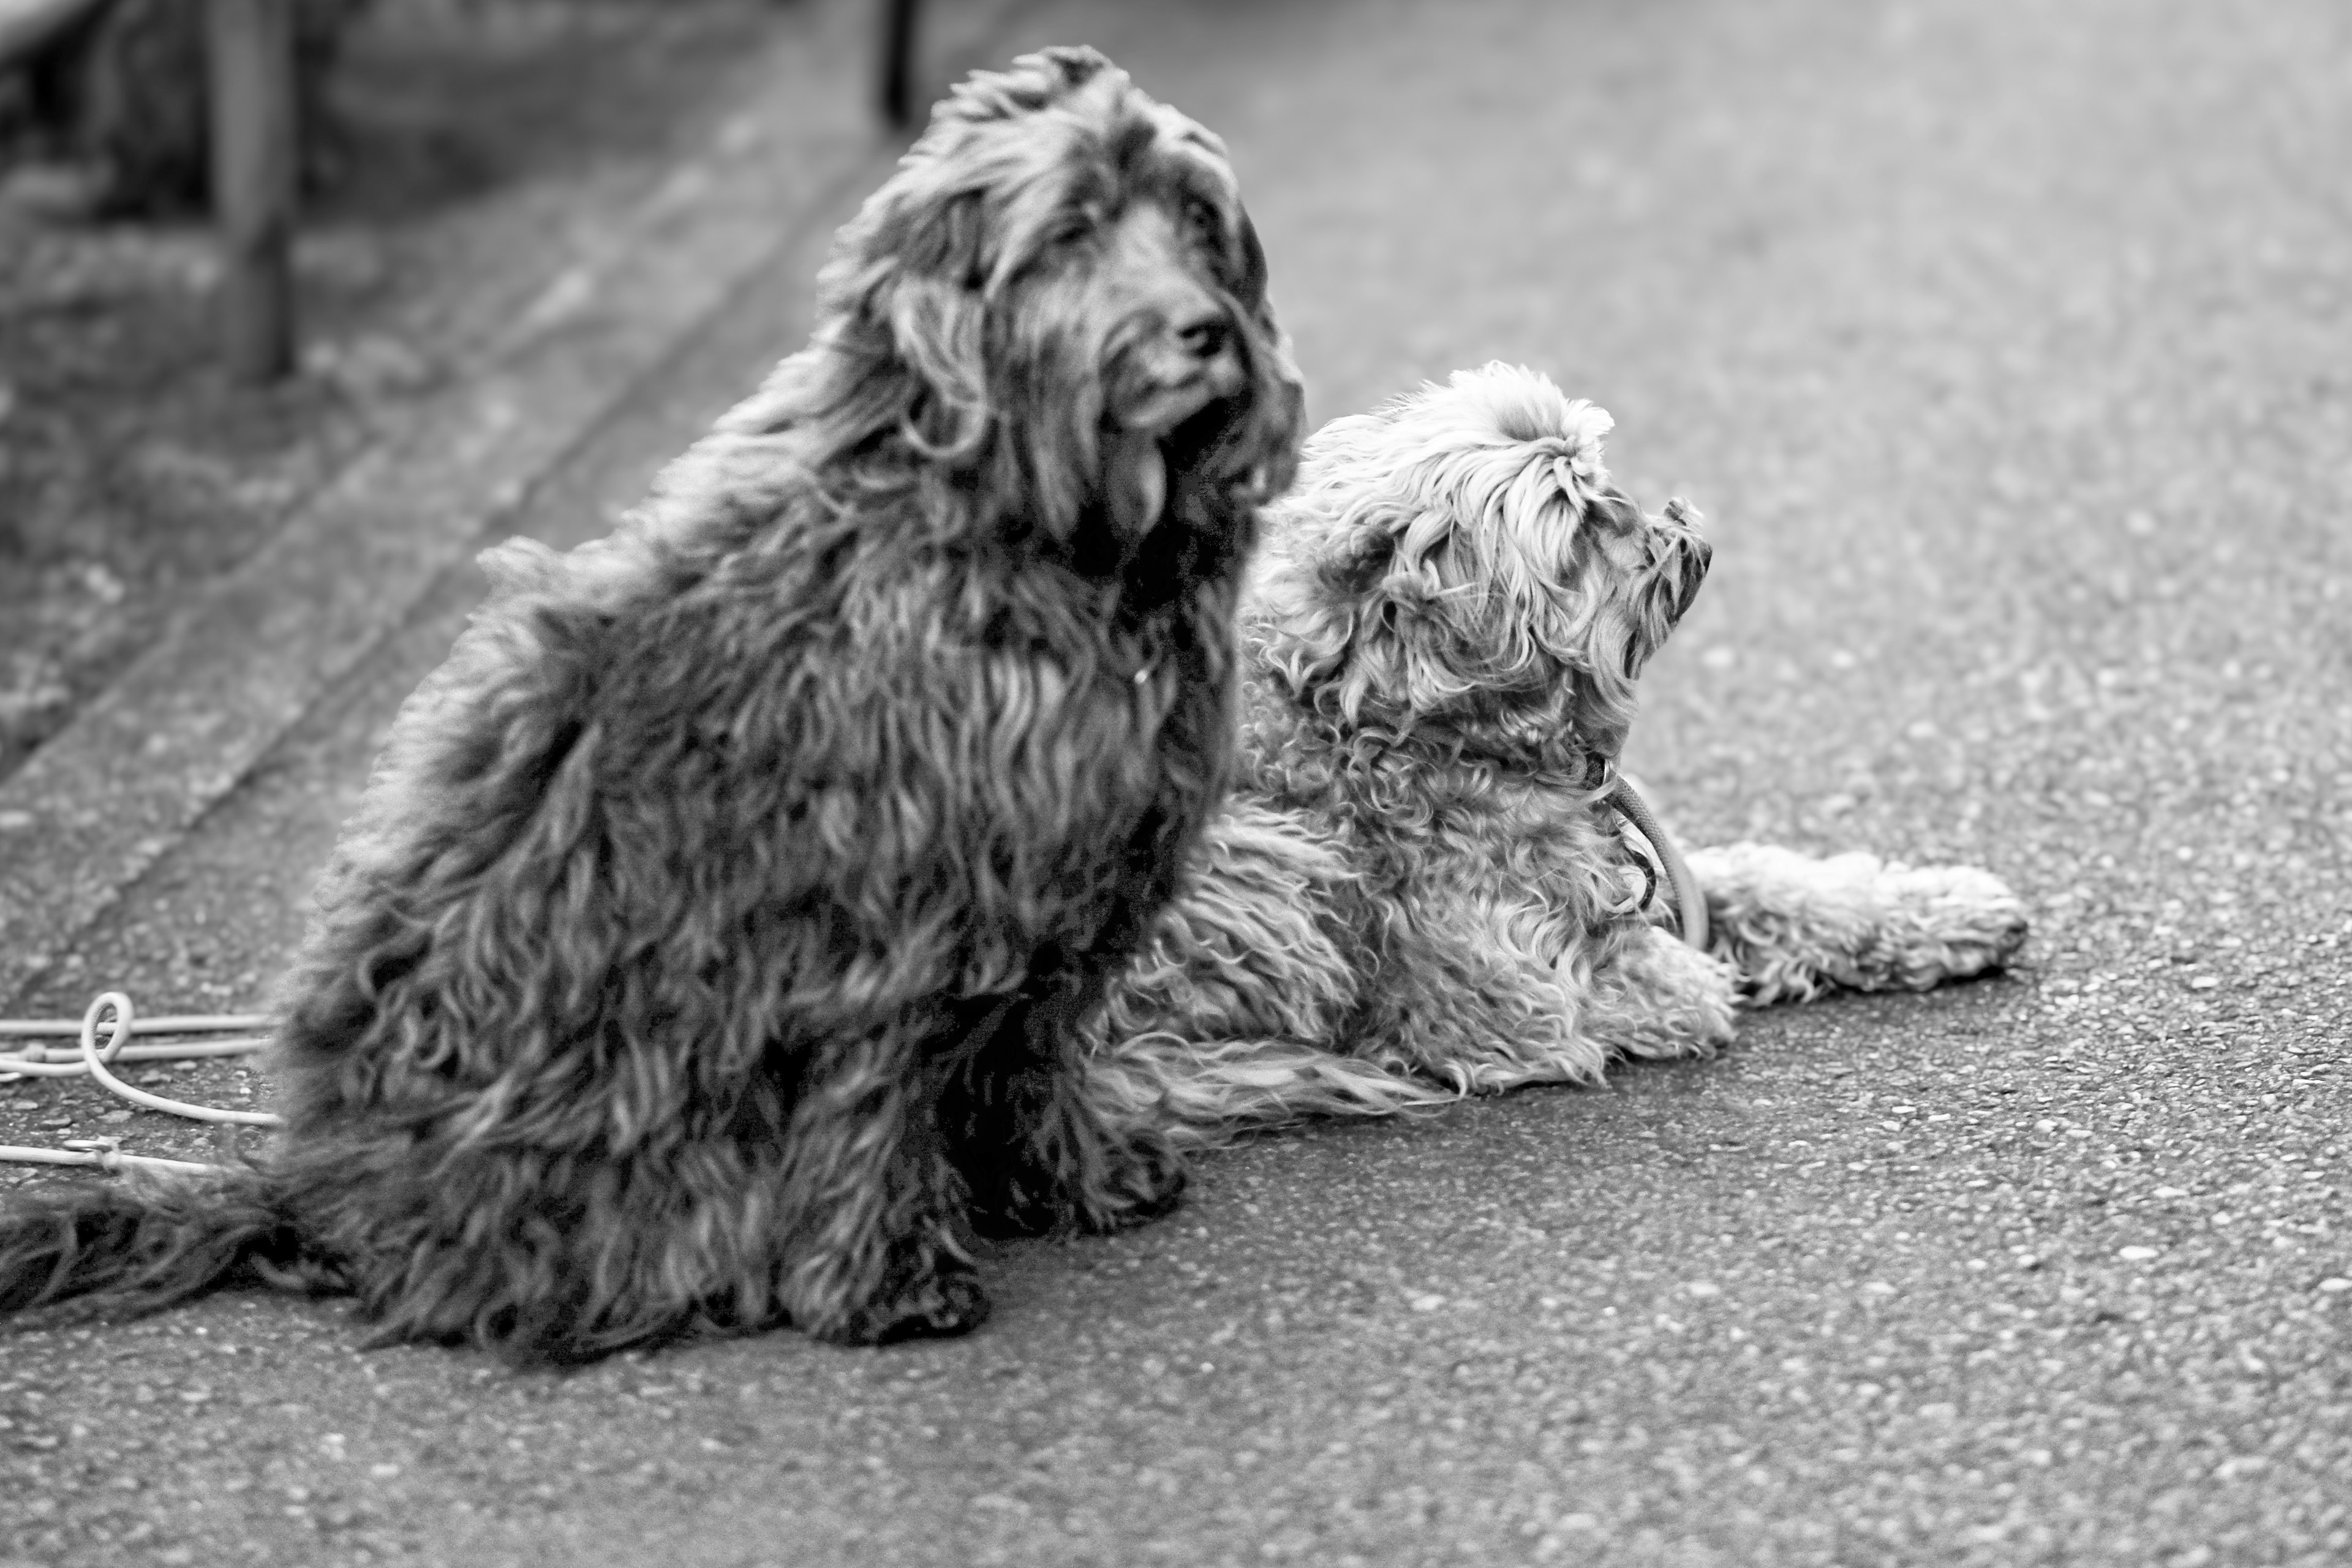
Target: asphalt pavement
(2004,346)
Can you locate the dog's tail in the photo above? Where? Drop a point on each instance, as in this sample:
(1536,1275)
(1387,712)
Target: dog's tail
(1203,1095)
(151,1241)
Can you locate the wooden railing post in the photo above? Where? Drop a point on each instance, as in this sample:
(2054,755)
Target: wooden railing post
(895,49)
(251,55)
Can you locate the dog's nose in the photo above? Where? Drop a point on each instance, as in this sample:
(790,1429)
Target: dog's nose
(1698,554)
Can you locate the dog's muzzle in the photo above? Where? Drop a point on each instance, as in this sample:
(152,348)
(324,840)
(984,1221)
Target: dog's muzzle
(1193,360)
(1692,557)
(1679,558)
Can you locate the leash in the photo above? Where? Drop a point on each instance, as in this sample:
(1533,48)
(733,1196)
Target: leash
(1690,900)
(91,1059)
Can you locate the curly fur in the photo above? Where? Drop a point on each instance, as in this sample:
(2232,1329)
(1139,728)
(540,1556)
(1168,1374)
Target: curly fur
(709,947)
(1418,892)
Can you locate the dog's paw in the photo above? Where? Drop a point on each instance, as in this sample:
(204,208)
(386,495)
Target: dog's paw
(1136,1179)
(940,1305)
(1796,926)
(1146,1181)
(1960,921)
(1002,1216)
(1021,1201)
(1662,998)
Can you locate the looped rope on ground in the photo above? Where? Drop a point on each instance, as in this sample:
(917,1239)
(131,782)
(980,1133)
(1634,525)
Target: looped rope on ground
(96,1062)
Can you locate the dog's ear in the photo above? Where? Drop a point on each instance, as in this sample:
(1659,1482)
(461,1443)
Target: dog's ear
(907,287)
(1250,288)
(1281,389)
(899,292)
(934,230)
(938,330)
(1350,611)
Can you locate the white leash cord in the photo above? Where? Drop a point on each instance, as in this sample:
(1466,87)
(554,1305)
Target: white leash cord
(96,1061)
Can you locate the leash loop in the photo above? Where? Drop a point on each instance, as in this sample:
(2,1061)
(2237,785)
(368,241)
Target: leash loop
(86,1056)
(1690,899)
(95,1060)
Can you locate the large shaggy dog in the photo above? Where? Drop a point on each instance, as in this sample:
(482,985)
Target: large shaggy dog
(1420,889)
(709,947)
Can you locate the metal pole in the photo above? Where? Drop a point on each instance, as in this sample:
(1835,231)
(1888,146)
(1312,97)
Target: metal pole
(897,61)
(250,54)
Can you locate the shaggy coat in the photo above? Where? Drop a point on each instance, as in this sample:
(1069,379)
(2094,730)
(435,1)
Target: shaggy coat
(708,948)
(1420,889)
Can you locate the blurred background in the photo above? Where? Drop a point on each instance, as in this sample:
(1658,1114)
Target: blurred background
(2003,345)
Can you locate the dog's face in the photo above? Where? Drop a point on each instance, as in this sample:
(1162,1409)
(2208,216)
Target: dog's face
(1064,269)
(1456,565)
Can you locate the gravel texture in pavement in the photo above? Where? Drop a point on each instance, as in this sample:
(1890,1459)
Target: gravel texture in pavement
(2004,346)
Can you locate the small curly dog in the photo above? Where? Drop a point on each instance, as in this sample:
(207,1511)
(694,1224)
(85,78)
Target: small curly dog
(709,950)
(1420,888)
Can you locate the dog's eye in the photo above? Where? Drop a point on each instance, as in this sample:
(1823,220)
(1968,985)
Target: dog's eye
(1617,511)
(1204,223)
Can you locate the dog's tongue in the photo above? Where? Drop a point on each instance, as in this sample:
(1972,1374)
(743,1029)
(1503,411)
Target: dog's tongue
(1135,481)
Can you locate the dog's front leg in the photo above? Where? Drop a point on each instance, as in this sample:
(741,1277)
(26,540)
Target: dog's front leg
(1652,995)
(1035,1153)
(1795,927)
(872,1200)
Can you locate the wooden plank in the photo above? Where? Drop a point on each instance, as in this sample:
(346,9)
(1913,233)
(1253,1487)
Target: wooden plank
(250,57)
